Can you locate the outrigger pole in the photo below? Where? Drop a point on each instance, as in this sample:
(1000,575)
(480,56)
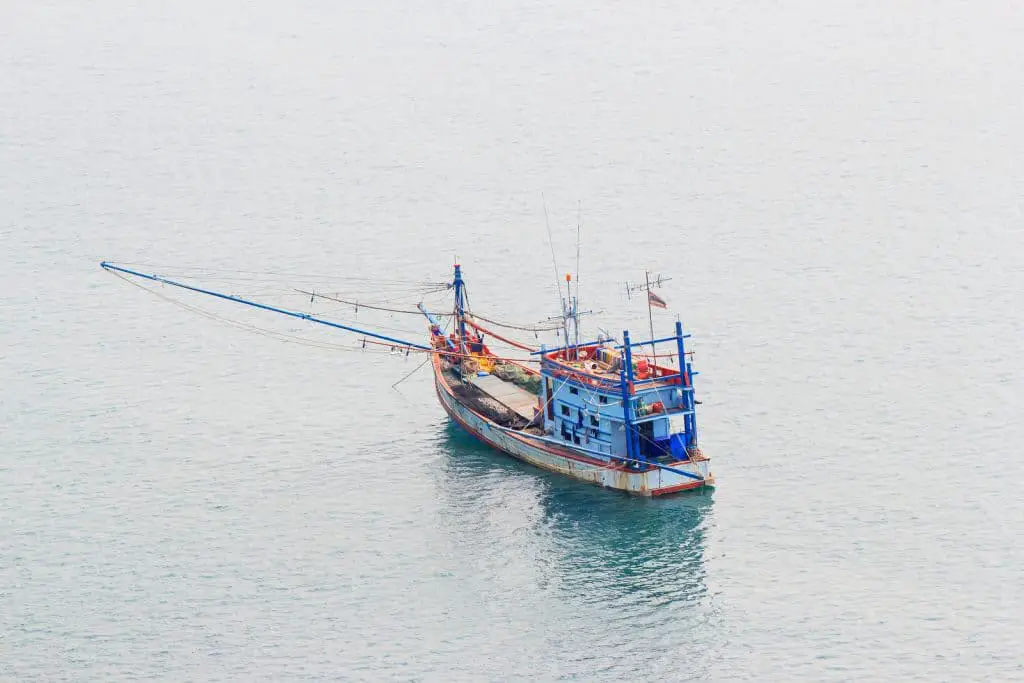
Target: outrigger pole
(302,316)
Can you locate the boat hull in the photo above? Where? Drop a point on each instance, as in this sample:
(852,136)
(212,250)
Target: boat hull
(541,453)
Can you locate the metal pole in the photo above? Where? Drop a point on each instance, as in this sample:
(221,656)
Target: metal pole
(627,403)
(693,409)
(624,387)
(650,314)
(681,350)
(567,309)
(460,306)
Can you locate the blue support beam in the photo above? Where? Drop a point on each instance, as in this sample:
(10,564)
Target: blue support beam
(687,396)
(693,414)
(632,436)
(658,416)
(434,322)
(626,344)
(544,350)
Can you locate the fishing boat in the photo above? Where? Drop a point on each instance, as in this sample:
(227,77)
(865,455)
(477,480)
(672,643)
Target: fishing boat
(617,413)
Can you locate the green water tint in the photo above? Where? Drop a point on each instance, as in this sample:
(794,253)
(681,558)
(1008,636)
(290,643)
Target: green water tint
(602,540)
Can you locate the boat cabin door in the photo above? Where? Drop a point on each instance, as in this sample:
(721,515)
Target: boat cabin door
(549,398)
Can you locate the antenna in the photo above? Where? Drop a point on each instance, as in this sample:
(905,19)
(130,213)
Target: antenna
(554,264)
(646,287)
(576,303)
(650,314)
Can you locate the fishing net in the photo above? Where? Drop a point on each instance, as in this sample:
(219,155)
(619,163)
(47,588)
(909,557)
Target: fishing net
(518,376)
(474,398)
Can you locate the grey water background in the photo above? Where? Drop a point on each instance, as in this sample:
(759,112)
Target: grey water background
(834,187)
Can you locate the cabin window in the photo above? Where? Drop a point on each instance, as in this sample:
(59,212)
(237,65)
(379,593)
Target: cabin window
(574,390)
(594,421)
(602,399)
(565,410)
(576,439)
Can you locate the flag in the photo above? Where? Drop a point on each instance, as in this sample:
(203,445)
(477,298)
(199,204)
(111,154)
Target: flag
(655,300)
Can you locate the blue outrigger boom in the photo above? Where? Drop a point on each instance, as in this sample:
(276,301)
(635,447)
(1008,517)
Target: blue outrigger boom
(601,412)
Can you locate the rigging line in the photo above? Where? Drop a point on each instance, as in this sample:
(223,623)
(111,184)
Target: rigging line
(290,285)
(551,243)
(453,354)
(362,305)
(579,222)
(576,306)
(511,342)
(418,313)
(280,336)
(388,323)
(302,316)
(510,326)
(329,301)
(396,291)
(322,305)
(211,271)
(397,330)
(395,385)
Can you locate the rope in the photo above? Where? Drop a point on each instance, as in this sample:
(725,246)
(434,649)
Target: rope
(286,274)
(452,354)
(373,308)
(510,326)
(516,344)
(418,312)
(395,385)
(287,338)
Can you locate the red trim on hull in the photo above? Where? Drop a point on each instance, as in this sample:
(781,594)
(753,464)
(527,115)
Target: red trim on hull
(678,487)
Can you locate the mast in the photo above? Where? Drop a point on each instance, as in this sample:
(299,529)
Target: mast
(650,314)
(575,301)
(569,312)
(576,322)
(460,305)
(686,384)
(626,386)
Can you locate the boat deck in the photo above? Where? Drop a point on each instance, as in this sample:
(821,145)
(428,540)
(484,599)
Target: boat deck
(517,399)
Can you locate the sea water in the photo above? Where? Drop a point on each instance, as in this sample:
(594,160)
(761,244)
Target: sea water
(834,189)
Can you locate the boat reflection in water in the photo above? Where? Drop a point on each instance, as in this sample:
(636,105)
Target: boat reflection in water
(597,546)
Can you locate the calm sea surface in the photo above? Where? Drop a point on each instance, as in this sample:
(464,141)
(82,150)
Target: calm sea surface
(835,188)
